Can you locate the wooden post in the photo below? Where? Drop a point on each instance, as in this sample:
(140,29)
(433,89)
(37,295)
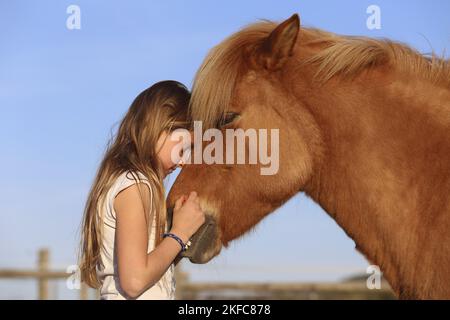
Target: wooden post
(43,262)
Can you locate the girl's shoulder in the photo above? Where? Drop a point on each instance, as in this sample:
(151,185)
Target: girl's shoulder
(128,178)
(123,181)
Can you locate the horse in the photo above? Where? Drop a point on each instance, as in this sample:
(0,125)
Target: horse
(364,131)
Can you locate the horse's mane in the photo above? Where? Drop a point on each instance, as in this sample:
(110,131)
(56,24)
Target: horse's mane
(349,55)
(345,56)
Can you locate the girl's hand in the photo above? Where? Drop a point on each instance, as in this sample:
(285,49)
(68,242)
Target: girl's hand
(188,217)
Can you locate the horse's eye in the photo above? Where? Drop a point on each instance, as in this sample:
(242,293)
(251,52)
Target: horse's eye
(228,118)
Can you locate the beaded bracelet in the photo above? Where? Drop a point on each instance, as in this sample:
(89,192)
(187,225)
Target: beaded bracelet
(184,247)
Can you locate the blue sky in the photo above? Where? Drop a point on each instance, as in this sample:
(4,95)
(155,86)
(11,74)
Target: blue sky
(63,91)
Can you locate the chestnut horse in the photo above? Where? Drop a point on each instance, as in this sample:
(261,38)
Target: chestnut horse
(364,130)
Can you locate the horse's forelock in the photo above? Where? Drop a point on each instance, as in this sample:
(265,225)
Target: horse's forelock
(216,79)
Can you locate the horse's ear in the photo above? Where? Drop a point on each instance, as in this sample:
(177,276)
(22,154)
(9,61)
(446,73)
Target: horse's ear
(278,46)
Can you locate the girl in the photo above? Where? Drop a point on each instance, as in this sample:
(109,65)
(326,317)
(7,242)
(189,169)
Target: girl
(123,251)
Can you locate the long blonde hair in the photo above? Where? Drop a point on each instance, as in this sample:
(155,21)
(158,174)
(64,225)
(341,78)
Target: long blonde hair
(162,107)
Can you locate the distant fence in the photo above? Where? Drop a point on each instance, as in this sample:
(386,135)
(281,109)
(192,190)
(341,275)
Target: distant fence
(353,289)
(194,290)
(43,275)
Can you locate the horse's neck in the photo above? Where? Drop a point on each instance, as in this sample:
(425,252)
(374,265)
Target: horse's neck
(376,180)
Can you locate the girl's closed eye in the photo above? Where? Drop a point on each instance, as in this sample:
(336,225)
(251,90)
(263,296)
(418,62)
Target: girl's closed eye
(172,151)
(186,154)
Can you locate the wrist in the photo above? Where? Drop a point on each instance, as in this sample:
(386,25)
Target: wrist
(180,235)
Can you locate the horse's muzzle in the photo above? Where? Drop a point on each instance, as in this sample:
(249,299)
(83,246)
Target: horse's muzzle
(202,242)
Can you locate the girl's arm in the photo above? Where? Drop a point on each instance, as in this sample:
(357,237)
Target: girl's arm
(137,269)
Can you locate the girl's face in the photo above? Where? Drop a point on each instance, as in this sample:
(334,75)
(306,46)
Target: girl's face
(171,151)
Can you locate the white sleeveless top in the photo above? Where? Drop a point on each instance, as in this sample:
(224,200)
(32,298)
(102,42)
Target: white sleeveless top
(164,289)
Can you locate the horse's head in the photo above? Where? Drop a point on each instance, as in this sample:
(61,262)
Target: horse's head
(241,85)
